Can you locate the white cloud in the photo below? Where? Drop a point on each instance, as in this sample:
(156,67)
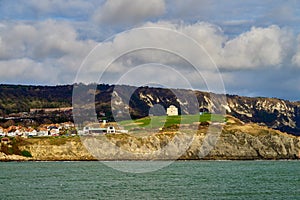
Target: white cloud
(31,50)
(260,47)
(124,12)
(26,70)
(257,48)
(45,39)
(260,50)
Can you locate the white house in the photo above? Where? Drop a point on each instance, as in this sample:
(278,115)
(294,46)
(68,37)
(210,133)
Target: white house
(111,129)
(42,133)
(54,132)
(11,134)
(32,133)
(172,110)
(19,132)
(2,134)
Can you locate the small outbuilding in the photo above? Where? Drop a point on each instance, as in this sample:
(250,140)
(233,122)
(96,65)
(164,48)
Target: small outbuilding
(172,110)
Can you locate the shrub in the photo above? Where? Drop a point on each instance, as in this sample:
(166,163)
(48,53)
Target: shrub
(26,153)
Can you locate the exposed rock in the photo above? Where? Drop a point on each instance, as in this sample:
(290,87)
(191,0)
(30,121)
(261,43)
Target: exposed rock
(237,141)
(44,149)
(4,157)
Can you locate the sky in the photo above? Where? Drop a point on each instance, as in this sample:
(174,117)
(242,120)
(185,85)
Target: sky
(251,47)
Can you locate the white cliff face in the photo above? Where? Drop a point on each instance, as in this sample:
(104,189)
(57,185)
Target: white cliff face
(274,113)
(116,99)
(147,98)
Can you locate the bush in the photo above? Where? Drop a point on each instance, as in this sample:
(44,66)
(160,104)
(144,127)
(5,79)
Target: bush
(26,153)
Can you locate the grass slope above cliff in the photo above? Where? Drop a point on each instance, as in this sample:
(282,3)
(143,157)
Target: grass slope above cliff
(155,122)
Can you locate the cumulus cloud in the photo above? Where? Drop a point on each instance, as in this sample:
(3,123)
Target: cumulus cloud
(124,12)
(45,39)
(33,51)
(36,49)
(258,47)
(28,71)
(246,40)
(263,50)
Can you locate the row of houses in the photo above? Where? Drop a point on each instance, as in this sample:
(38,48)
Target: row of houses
(44,130)
(57,129)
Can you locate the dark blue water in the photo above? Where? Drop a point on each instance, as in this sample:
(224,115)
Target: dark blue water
(180,180)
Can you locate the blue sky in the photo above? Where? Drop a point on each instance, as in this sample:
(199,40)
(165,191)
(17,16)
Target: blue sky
(255,44)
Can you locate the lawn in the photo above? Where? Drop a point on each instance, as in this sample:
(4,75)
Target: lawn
(155,122)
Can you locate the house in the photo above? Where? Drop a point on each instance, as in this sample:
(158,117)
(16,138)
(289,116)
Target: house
(12,129)
(172,110)
(94,131)
(2,134)
(42,132)
(54,132)
(19,132)
(32,133)
(101,130)
(110,129)
(11,134)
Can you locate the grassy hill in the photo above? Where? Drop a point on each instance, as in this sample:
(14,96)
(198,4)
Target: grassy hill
(156,122)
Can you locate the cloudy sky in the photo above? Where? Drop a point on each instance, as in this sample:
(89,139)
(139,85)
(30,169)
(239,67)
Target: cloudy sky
(252,46)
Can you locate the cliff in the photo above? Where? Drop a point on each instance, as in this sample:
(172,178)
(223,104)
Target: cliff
(238,141)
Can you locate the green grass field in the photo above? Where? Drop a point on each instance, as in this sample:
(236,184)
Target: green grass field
(169,121)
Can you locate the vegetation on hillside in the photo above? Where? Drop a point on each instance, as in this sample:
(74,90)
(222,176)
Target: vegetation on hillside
(166,122)
(20,98)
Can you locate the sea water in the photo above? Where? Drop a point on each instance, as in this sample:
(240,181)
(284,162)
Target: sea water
(180,180)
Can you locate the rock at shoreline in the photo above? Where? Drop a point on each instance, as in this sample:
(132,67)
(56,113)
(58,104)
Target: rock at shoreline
(4,157)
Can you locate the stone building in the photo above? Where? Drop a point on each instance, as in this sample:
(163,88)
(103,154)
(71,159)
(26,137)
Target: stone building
(172,110)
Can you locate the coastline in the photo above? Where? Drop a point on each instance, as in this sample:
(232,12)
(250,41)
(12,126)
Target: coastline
(144,160)
(236,142)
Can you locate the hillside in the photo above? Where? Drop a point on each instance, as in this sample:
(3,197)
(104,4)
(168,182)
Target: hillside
(20,98)
(274,113)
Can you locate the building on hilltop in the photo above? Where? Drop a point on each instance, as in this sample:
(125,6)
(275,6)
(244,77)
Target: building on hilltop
(172,110)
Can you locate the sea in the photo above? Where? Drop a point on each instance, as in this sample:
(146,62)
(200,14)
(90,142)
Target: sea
(177,180)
